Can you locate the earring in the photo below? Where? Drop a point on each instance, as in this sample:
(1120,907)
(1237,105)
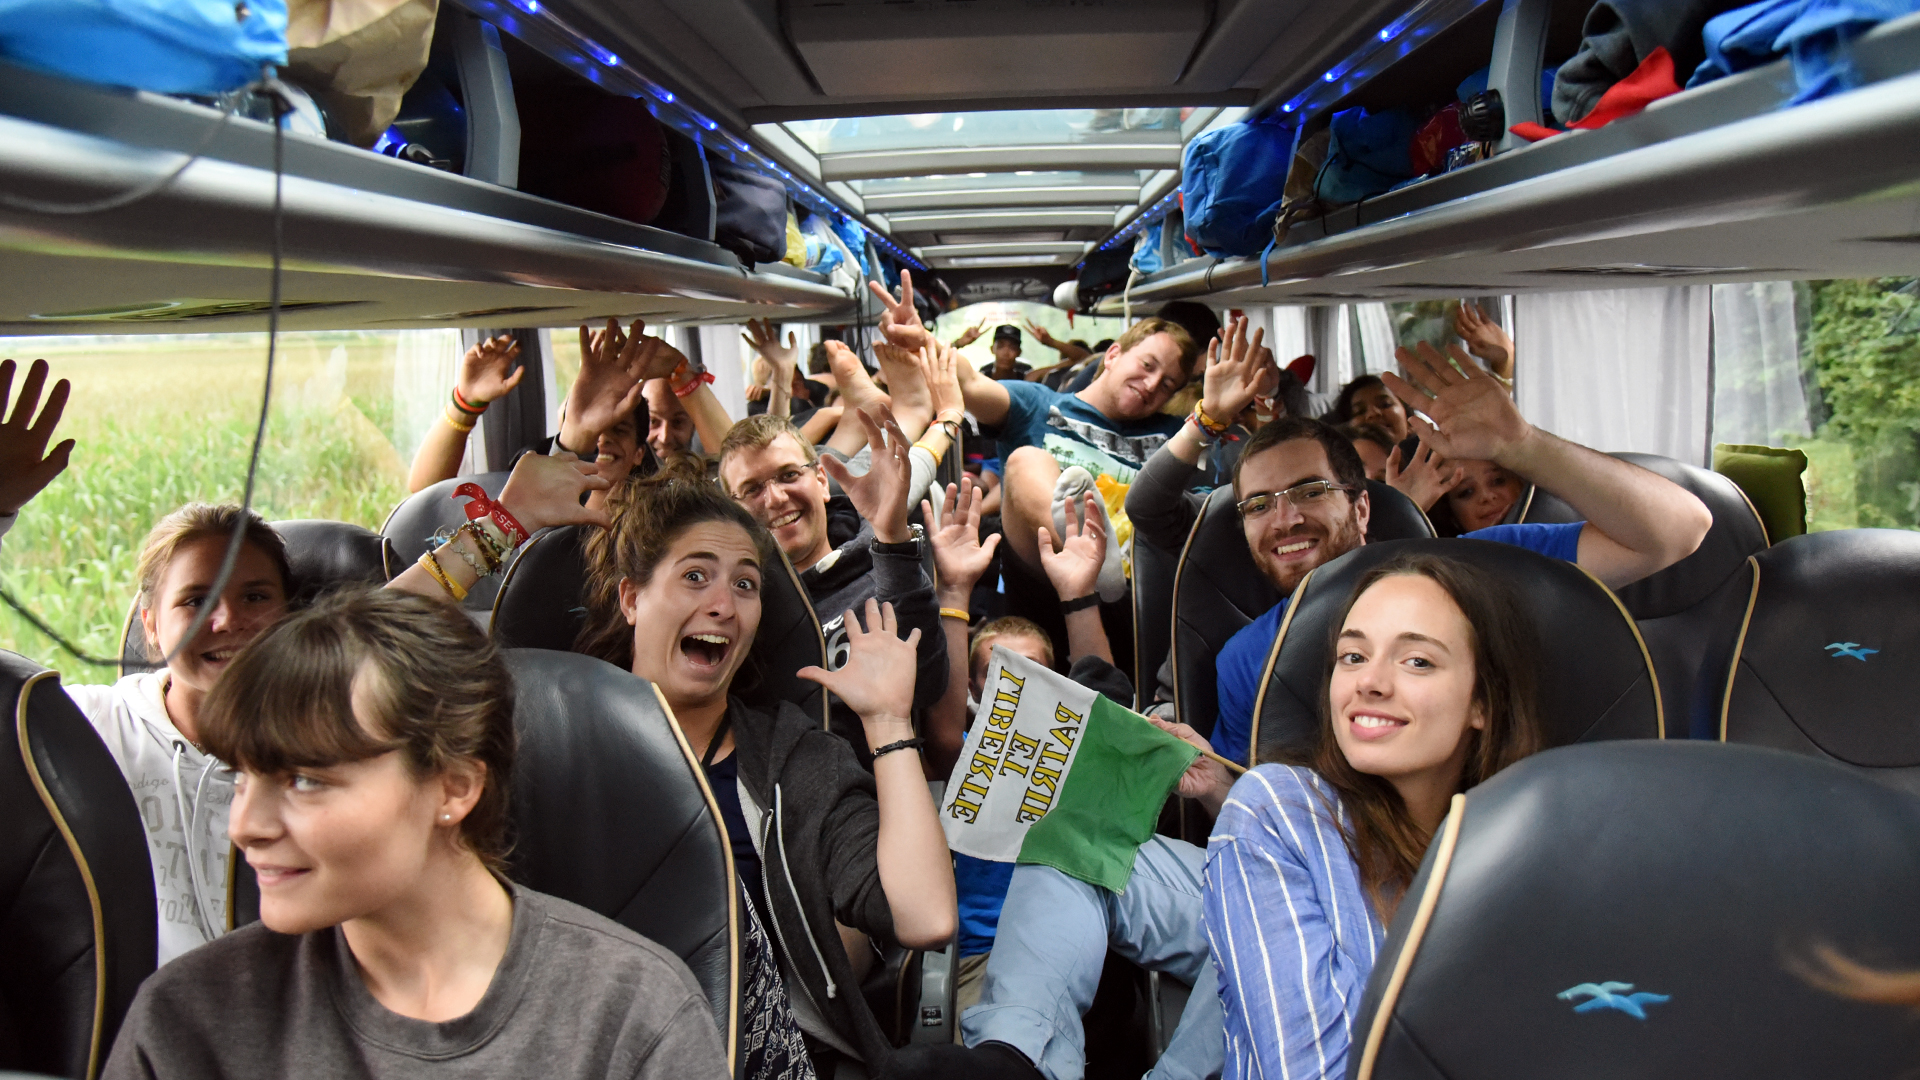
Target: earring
(446,817)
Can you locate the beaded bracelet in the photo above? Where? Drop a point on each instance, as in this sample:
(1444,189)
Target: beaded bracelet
(482,508)
(491,554)
(433,567)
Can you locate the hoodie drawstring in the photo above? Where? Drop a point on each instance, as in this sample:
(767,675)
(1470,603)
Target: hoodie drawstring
(189,816)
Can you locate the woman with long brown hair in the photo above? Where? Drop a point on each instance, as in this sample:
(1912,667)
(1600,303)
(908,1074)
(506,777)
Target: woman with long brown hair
(1429,691)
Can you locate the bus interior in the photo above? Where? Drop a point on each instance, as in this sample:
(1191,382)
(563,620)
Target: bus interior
(1718,284)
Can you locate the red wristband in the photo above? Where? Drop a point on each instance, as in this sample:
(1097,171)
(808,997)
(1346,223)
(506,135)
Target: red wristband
(481,505)
(693,384)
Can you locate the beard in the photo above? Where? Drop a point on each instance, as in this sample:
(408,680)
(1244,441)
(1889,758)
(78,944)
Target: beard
(1334,542)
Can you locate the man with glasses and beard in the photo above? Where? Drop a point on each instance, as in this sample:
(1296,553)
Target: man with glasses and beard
(1301,491)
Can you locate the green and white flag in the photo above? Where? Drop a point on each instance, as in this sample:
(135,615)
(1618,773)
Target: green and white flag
(1056,774)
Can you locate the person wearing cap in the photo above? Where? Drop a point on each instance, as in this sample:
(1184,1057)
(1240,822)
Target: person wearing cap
(1006,355)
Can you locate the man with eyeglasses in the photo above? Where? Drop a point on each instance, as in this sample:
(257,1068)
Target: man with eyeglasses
(1301,491)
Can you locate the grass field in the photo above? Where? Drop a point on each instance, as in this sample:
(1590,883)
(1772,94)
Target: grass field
(162,421)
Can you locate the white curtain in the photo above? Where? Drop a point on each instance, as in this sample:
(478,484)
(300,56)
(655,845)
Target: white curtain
(729,358)
(424,365)
(1288,337)
(1375,326)
(1758,393)
(1618,369)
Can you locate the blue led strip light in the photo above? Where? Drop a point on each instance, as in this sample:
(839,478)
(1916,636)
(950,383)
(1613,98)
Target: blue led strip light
(561,42)
(1394,41)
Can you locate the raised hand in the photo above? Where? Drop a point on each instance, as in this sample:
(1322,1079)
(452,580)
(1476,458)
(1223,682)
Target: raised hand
(26,468)
(940,370)
(613,366)
(487,372)
(970,335)
(958,555)
(766,341)
(901,323)
(906,389)
(1485,339)
(1239,369)
(1075,568)
(881,494)
(1424,479)
(544,492)
(877,679)
(1041,335)
(1472,414)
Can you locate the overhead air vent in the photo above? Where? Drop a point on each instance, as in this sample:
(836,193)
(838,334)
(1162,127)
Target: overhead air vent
(895,49)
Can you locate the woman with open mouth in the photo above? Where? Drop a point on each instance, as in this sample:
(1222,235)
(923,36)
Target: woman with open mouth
(1429,691)
(833,858)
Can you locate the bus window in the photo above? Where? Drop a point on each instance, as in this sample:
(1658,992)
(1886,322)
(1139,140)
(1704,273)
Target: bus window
(163,420)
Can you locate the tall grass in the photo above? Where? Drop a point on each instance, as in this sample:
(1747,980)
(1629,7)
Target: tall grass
(164,421)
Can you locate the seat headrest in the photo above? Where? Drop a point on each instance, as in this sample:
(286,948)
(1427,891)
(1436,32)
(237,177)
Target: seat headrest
(1393,516)
(1217,591)
(611,811)
(1153,576)
(1595,682)
(542,604)
(1737,532)
(78,925)
(326,555)
(1573,931)
(323,555)
(1826,662)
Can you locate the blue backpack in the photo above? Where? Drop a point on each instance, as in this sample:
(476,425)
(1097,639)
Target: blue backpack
(168,46)
(1233,182)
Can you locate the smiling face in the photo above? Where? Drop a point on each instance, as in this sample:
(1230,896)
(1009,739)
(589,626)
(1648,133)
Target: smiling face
(1135,383)
(1401,694)
(255,597)
(620,450)
(348,840)
(669,427)
(694,619)
(1375,404)
(1483,498)
(1288,541)
(783,492)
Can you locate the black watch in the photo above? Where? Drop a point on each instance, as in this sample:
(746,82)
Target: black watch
(909,548)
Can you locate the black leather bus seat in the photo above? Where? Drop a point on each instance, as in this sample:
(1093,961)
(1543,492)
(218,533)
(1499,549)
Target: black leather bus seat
(411,527)
(1153,576)
(324,555)
(1596,681)
(1573,931)
(78,922)
(611,811)
(542,605)
(1689,613)
(1828,655)
(1218,590)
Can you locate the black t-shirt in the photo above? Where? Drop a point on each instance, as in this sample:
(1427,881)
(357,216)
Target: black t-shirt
(723,777)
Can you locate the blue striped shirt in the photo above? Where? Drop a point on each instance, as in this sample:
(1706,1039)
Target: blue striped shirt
(1292,933)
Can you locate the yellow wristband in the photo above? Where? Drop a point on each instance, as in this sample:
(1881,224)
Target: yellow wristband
(936,457)
(432,566)
(454,420)
(955,613)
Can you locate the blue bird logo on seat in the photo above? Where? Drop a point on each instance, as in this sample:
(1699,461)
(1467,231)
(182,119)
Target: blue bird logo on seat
(1612,995)
(1851,648)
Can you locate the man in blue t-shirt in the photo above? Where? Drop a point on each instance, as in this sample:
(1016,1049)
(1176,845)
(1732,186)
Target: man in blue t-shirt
(1302,495)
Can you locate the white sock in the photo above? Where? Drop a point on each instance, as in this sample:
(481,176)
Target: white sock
(1075,483)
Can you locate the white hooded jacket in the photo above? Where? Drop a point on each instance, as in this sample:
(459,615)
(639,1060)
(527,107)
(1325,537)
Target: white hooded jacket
(183,795)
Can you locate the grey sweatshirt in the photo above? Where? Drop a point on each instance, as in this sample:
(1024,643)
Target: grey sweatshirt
(576,996)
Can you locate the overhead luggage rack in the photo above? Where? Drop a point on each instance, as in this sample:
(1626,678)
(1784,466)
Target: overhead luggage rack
(370,241)
(1721,183)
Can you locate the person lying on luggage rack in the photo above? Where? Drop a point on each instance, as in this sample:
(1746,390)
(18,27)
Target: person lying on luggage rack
(1054,444)
(1430,690)
(373,734)
(821,843)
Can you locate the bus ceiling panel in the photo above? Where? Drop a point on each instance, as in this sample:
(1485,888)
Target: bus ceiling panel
(985,220)
(884,163)
(72,294)
(875,48)
(218,214)
(1753,199)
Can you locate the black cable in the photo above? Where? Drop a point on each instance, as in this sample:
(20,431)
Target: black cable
(128,198)
(273,88)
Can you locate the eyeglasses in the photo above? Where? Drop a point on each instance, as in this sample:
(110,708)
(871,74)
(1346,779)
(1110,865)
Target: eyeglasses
(1300,495)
